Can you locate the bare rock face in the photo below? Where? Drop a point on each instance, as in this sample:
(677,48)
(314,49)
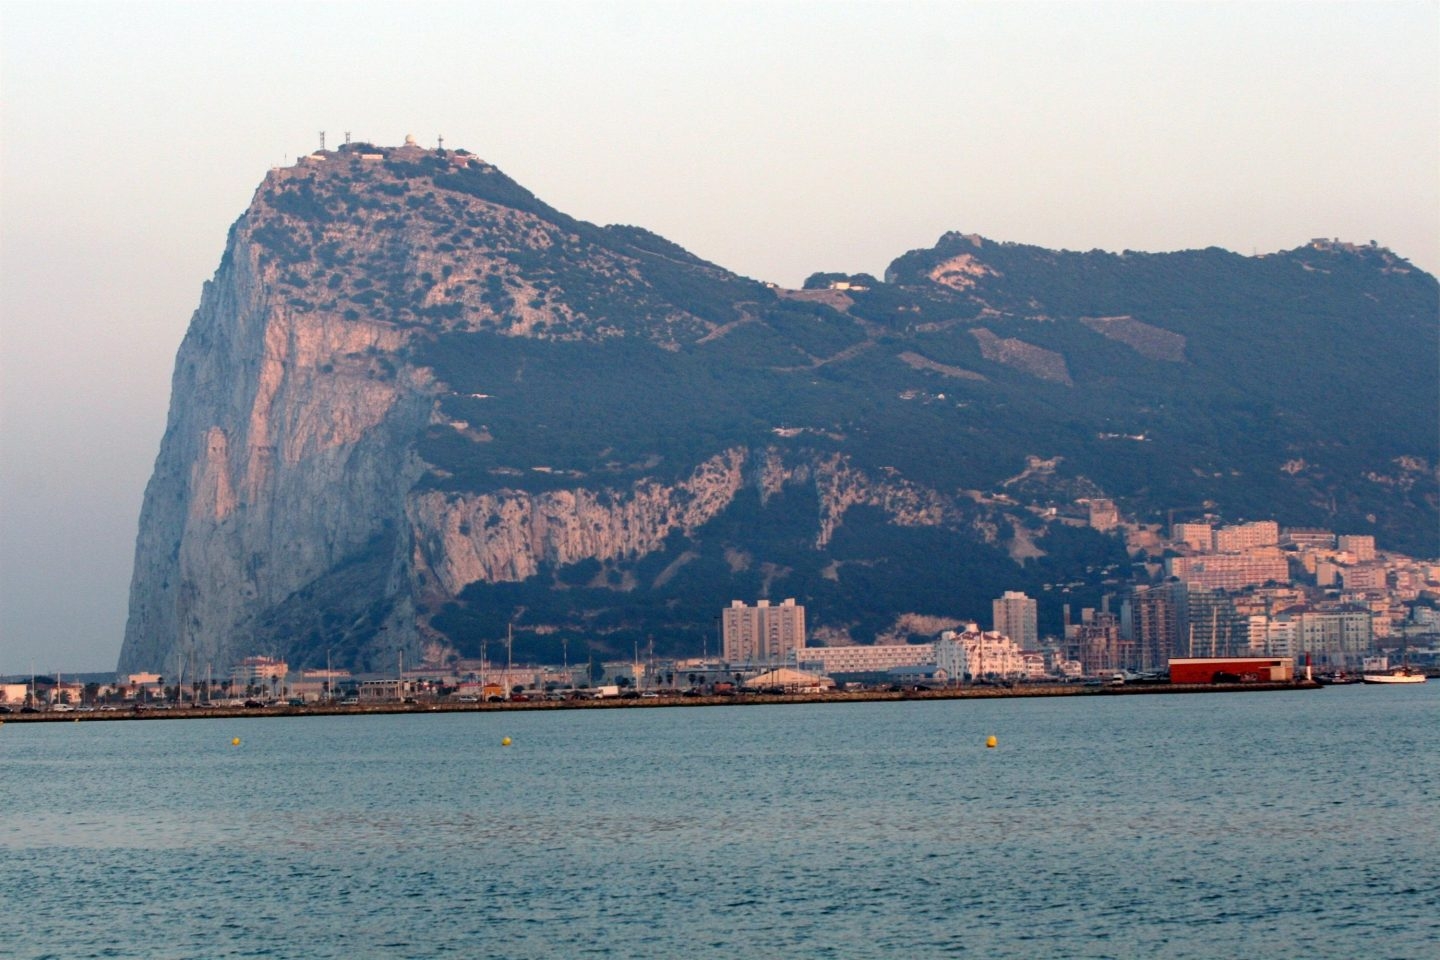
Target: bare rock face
(1011,351)
(282,457)
(509,535)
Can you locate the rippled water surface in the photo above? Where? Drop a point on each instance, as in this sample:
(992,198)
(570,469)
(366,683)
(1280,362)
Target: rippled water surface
(1301,824)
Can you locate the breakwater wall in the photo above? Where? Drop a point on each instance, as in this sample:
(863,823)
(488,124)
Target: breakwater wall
(189,712)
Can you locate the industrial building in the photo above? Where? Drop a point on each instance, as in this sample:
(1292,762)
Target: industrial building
(1232,669)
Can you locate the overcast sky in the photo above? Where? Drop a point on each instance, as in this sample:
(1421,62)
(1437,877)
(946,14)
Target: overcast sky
(775,139)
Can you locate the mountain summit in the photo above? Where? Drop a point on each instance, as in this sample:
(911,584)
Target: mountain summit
(418,408)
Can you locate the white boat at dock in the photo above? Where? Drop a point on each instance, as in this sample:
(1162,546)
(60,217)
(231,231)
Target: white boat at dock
(1398,675)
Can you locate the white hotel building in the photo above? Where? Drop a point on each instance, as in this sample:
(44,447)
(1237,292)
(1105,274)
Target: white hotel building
(971,651)
(864,659)
(988,653)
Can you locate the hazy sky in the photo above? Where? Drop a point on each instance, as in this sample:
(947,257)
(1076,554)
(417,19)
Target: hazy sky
(776,139)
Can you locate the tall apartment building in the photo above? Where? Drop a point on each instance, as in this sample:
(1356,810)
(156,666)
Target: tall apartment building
(762,634)
(1149,620)
(1016,616)
(1210,626)
(1337,637)
(1240,537)
(1196,536)
(1365,576)
(1359,546)
(1232,571)
(1095,642)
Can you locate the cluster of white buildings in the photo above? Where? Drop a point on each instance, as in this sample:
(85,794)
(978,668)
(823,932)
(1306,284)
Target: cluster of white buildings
(769,635)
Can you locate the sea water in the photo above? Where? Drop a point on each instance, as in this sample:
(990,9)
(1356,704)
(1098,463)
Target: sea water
(1295,824)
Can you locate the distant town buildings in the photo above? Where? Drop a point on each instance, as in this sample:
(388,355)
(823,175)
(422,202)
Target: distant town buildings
(1224,594)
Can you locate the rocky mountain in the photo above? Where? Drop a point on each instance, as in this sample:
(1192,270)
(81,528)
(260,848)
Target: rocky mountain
(417,407)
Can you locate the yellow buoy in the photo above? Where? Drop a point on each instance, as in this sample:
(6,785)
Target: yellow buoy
(505,742)
(991,742)
(235,742)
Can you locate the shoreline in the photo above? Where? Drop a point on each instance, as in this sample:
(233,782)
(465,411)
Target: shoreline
(616,703)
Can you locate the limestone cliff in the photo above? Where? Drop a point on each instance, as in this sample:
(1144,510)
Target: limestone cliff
(284,455)
(418,409)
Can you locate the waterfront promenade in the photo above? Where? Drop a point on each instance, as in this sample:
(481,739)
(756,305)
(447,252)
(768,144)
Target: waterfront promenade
(445,705)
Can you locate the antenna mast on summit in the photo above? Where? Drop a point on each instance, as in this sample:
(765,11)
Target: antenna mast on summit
(347,138)
(322,141)
(441,138)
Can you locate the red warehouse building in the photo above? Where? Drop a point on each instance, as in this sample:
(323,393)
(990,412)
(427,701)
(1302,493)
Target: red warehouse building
(1232,669)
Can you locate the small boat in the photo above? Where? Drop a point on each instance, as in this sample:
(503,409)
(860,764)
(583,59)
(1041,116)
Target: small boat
(1398,675)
